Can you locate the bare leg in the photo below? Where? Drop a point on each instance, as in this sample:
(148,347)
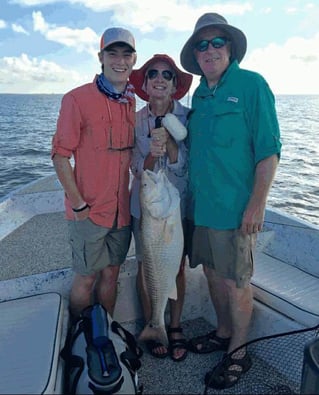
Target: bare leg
(220,299)
(233,308)
(81,293)
(106,288)
(176,307)
(241,308)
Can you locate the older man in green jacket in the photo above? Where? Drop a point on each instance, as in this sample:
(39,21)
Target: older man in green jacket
(234,151)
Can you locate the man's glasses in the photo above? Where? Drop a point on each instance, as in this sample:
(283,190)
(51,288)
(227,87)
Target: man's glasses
(216,42)
(166,74)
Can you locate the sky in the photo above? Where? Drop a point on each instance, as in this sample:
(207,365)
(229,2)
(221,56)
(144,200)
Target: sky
(51,46)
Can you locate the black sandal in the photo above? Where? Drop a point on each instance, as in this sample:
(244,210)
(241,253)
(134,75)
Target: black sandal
(177,344)
(228,372)
(209,343)
(152,345)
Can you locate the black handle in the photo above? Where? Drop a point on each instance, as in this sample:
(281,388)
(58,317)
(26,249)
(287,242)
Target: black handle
(158,121)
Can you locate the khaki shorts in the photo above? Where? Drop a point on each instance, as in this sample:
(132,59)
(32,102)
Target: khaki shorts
(94,247)
(228,252)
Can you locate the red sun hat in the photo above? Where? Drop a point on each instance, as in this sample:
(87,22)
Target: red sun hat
(183,80)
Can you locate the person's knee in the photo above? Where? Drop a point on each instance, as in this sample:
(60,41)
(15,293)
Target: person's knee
(110,274)
(84,283)
(240,294)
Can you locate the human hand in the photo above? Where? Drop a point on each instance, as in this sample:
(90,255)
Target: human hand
(253,219)
(158,142)
(82,215)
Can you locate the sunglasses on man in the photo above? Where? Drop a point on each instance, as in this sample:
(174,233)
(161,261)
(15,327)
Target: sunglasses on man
(216,42)
(166,74)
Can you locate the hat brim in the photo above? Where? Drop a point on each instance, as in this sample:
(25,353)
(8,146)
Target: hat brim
(237,37)
(184,80)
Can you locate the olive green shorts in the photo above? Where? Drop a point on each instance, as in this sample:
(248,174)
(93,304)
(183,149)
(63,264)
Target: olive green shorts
(228,252)
(94,247)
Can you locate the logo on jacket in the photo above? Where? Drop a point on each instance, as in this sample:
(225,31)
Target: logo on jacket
(233,99)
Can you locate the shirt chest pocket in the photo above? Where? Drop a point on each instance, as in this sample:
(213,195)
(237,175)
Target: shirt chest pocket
(98,130)
(110,136)
(227,124)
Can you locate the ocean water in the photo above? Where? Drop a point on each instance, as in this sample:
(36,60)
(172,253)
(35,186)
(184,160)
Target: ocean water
(27,124)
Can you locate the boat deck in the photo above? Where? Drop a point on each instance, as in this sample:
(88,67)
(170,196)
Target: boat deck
(37,246)
(275,362)
(35,243)
(40,245)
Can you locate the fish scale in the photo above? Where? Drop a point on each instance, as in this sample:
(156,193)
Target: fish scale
(162,246)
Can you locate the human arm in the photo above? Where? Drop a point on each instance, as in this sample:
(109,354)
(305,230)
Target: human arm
(148,150)
(65,175)
(254,213)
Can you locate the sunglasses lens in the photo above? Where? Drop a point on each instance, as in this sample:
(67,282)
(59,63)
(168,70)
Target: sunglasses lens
(166,74)
(217,42)
(202,46)
(152,74)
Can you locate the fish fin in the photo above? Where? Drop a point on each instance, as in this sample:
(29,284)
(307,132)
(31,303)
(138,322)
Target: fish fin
(154,333)
(169,227)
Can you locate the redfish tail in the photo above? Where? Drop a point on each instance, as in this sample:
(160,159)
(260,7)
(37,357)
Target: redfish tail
(154,333)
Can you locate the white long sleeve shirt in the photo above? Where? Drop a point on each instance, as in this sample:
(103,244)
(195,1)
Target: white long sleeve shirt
(176,172)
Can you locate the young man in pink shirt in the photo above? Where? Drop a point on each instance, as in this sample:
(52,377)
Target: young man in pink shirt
(96,128)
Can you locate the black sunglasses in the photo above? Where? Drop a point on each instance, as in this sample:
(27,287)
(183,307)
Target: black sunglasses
(216,42)
(166,74)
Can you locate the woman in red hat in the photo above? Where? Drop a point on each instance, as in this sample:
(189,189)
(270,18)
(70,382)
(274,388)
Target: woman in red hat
(161,84)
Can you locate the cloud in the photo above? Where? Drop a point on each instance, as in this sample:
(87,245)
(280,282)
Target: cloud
(32,3)
(175,15)
(3,24)
(82,40)
(19,29)
(37,76)
(39,24)
(291,10)
(291,67)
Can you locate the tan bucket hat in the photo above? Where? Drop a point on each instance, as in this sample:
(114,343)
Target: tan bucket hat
(237,37)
